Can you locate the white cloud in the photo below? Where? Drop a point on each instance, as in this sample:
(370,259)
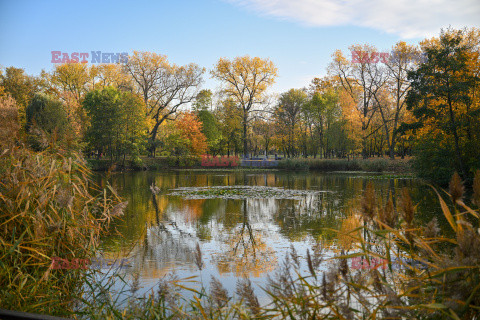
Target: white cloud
(406,18)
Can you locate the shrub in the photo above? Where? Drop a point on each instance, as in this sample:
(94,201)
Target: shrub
(374,165)
(293,164)
(136,162)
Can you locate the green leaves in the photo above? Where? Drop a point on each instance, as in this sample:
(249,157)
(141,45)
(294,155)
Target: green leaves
(117,123)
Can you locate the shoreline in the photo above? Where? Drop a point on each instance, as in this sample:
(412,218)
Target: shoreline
(371,165)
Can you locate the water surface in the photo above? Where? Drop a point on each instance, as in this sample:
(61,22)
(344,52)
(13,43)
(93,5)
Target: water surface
(244,222)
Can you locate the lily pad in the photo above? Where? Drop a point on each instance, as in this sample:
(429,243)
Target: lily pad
(241,192)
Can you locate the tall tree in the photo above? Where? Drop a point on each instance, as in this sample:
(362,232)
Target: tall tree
(321,112)
(245,80)
(203,100)
(230,119)
(117,122)
(288,111)
(45,117)
(74,78)
(441,97)
(191,128)
(361,80)
(164,86)
(390,100)
(211,129)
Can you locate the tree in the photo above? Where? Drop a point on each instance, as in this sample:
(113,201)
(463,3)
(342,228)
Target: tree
(73,78)
(287,112)
(263,134)
(112,75)
(402,61)
(164,87)
(444,101)
(203,100)
(117,123)
(321,112)
(184,137)
(191,129)
(230,119)
(20,87)
(245,80)
(45,116)
(361,80)
(211,129)
(210,125)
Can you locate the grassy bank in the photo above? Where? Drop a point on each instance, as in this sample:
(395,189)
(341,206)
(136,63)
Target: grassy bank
(144,163)
(326,165)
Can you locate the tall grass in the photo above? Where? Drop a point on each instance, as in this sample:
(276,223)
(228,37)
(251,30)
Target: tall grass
(369,165)
(47,210)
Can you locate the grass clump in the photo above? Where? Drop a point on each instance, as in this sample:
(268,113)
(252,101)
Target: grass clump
(47,210)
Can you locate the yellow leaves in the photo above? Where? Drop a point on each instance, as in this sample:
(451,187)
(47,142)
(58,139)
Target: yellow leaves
(245,79)
(163,86)
(247,255)
(71,77)
(338,57)
(147,61)
(349,233)
(111,75)
(9,122)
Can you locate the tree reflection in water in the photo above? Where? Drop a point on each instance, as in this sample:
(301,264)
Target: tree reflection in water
(238,237)
(246,253)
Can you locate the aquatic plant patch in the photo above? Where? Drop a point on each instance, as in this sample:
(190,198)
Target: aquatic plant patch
(241,192)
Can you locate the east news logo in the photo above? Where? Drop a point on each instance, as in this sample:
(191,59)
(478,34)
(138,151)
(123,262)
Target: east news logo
(96,57)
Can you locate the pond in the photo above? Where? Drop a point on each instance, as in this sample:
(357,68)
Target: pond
(244,222)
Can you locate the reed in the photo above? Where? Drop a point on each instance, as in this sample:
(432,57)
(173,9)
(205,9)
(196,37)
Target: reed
(48,208)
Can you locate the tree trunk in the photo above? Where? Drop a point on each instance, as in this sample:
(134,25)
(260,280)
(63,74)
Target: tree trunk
(245,143)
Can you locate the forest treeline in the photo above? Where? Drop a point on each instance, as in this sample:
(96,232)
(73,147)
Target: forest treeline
(368,104)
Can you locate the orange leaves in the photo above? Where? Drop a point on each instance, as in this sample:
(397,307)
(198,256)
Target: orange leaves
(191,128)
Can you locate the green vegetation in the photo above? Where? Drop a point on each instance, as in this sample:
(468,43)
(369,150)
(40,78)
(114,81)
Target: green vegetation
(442,100)
(369,165)
(238,192)
(117,124)
(46,120)
(399,107)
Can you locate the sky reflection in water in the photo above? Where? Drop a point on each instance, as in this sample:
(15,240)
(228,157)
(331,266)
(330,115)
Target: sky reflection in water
(241,231)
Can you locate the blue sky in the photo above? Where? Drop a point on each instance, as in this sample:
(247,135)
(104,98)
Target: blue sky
(299,36)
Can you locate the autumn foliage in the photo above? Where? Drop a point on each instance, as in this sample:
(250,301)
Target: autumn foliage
(190,129)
